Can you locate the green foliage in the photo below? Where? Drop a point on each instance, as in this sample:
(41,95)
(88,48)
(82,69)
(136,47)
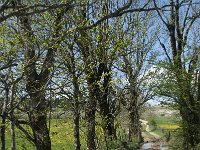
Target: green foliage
(176,141)
(152,124)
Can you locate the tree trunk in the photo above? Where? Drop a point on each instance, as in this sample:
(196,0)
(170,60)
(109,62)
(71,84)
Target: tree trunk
(3,116)
(191,128)
(108,126)
(134,114)
(90,121)
(107,118)
(76,114)
(12,125)
(76,107)
(106,106)
(189,111)
(36,83)
(40,131)
(12,122)
(38,123)
(2,133)
(76,131)
(135,125)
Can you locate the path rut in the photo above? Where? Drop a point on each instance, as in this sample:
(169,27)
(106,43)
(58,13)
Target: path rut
(152,141)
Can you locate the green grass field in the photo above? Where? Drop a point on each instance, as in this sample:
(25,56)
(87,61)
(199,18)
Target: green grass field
(62,138)
(61,134)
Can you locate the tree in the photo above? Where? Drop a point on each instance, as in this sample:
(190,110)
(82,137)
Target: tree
(96,64)
(70,59)
(182,65)
(98,58)
(106,55)
(135,44)
(36,82)
(8,80)
(4,80)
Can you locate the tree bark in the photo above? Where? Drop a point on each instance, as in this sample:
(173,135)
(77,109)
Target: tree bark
(76,114)
(135,125)
(92,79)
(107,115)
(38,123)
(191,128)
(76,131)
(41,132)
(106,107)
(35,86)
(108,126)
(3,116)
(90,121)
(134,108)
(2,133)
(12,126)
(71,65)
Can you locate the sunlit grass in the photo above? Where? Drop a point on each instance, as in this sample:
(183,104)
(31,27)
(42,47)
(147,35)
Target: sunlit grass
(62,136)
(168,126)
(61,133)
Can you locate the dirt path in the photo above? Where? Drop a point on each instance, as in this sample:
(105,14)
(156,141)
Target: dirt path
(152,141)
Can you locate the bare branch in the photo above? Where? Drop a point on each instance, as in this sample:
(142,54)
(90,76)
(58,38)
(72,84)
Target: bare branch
(165,50)
(186,15)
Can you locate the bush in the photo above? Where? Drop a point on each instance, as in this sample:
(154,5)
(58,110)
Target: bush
(152,124)
(176,142)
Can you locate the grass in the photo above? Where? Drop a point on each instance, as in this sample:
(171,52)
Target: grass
(62,137)
(61,134)
(159,119)
(21,142)
(169,126)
